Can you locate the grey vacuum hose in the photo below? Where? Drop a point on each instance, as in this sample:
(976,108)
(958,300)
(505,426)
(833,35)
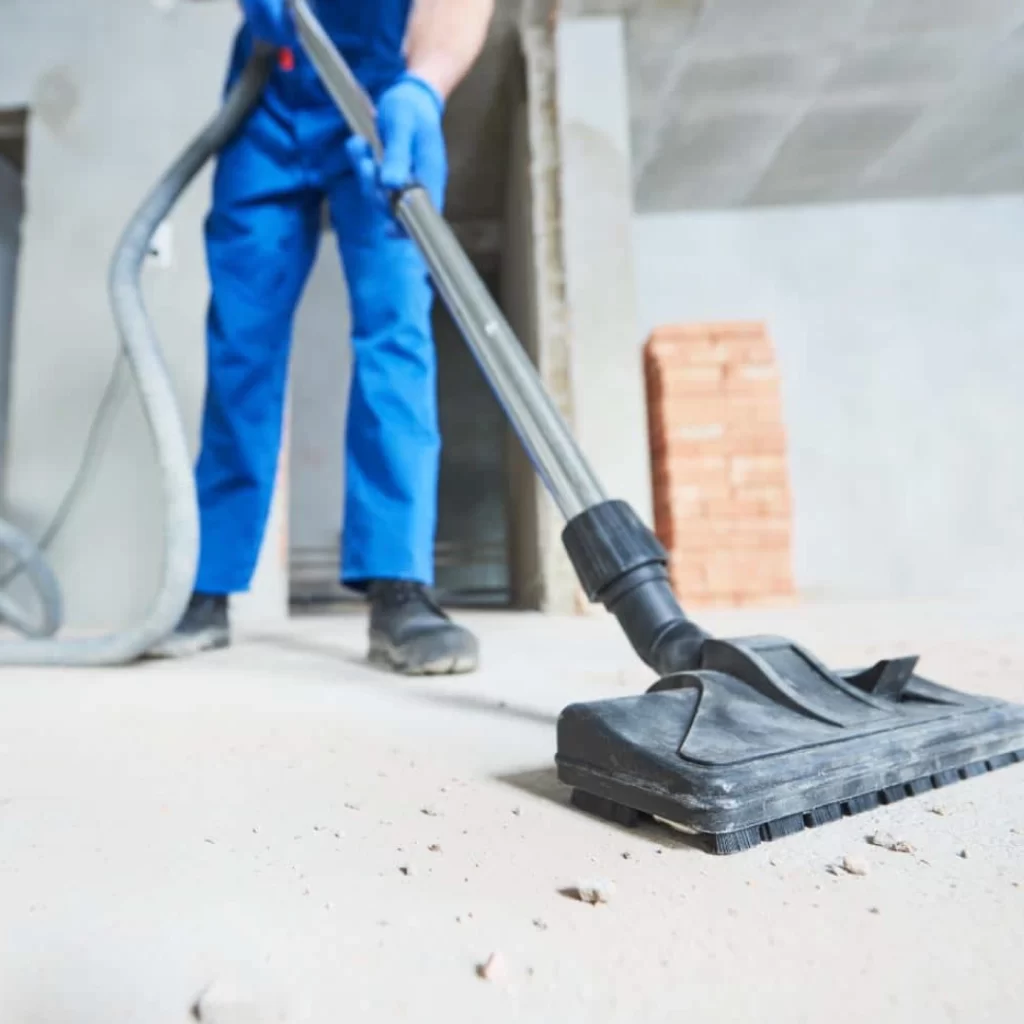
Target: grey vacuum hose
(141,349)
(29,559)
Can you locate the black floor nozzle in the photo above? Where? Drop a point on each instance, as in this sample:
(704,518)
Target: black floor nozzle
(746,741)
(762,741)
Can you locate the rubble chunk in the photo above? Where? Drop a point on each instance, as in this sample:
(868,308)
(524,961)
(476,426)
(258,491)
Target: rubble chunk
(854,866)
(887,842)
(493,968)
(593,891)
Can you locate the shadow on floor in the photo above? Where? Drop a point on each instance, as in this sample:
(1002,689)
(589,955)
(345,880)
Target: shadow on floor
(415,687)
(544,783)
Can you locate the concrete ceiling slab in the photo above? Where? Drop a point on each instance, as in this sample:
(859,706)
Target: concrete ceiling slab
(743,102)
(831,147)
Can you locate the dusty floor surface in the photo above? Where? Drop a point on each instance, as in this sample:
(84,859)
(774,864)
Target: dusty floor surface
(355,845)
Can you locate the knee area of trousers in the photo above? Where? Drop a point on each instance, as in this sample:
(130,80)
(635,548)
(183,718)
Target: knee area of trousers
(394,294)
(258,259)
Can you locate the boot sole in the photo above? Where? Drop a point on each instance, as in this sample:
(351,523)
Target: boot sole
(186,646)
(443,663)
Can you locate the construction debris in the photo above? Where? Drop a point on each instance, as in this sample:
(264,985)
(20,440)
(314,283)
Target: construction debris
(851,865)
(593,892)
(887,842)
(493,969)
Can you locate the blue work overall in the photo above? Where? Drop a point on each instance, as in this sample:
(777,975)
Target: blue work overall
(261,237)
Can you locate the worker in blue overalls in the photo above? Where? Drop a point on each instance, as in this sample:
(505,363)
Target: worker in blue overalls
(261,237)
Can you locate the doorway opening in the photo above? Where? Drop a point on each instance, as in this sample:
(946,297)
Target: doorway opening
(471,554)
(13,135)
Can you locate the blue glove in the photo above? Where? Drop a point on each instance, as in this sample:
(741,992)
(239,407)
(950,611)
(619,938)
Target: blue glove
(409,117)
(270,20)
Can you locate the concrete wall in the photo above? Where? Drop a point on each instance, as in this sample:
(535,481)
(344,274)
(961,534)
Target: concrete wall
(115,90)
(534,297)
(900,334)
(597,209)
(11,211)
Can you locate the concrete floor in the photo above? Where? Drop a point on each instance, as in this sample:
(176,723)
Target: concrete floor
(248,817)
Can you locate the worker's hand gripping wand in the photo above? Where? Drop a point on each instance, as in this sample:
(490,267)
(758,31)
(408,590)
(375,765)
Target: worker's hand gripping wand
(616,557)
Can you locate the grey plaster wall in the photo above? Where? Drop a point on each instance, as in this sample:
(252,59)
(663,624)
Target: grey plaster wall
(596,175)
(900,336)
(535,297)
(115,89)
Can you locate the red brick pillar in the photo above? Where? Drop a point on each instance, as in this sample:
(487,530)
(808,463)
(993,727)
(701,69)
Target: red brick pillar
(718,451)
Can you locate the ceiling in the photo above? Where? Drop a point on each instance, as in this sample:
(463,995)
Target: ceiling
(747,102)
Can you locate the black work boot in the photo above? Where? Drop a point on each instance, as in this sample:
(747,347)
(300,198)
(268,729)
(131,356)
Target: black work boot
(411,634)
(203,627)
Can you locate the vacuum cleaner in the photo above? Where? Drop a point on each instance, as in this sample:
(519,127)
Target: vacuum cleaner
(740,740)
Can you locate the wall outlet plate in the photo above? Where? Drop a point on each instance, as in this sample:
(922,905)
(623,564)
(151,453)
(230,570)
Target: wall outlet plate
(161,246)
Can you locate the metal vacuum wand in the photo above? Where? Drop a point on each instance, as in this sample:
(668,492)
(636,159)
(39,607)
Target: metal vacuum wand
(499,353)
(617,558)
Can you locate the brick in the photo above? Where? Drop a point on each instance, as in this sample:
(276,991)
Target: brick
(726,574)
(714,328)
(758,471)
(673,333)
(748,351)
(687,575)
(747,410)
(699,433)
(770,501)
(711,471)
(740,389)
(675,383)
(724,351)
(695,440)
(734,440)
(683,495)
(741,506)
(705,352)
(715,535)
(698,411)
(685,501)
